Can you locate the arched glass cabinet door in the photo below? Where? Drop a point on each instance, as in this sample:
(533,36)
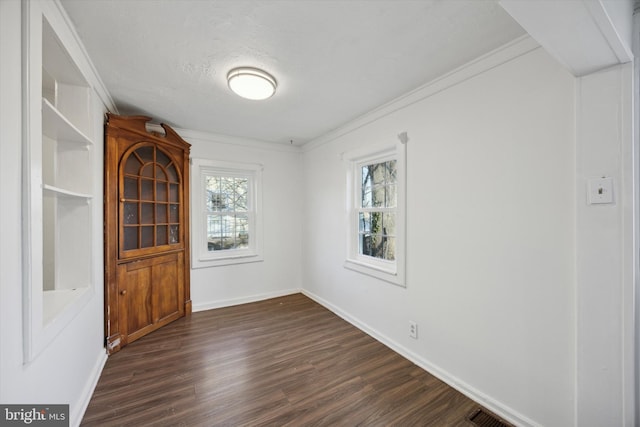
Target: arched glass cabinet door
(150,197)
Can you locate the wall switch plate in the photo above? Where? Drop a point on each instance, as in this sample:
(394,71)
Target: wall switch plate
(600,190)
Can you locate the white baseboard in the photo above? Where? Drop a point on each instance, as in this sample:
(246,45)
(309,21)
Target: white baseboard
(201,306)
(488,402)
(77,411)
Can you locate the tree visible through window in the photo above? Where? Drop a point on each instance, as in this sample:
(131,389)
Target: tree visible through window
(376,179)
(377,210)
(228,212)
(226,220)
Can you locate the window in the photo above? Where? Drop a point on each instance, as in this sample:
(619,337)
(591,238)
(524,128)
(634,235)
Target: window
(226,214)
(377,210)
(376,188)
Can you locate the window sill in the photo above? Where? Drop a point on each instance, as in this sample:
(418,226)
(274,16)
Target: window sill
(390,276)
(228,260)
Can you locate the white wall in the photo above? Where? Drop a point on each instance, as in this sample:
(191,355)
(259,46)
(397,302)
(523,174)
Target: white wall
(605,251)
(280,272)
(491,231)
(10,171)
(64,372)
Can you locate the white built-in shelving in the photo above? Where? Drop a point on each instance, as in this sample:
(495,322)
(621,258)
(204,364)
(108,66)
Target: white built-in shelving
(61,179)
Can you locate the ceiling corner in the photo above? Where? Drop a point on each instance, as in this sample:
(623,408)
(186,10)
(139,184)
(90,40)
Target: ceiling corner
(585,36)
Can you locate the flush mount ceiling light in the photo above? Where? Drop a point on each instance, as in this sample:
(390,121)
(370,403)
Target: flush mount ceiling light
(251,83)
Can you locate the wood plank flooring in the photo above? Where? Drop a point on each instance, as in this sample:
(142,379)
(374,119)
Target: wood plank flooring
(282,362)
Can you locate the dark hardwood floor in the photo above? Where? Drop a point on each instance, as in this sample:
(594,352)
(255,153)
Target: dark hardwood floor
(282,362)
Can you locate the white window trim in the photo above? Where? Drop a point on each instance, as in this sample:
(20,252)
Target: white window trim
(389,271)
(200,256)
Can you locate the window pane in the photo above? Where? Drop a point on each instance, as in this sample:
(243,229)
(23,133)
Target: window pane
(173,175)
(217,202)
(378,196)
(376,222)
(130,188)
(240,194)
(241,203)
(376,234)
(364,222)
(377,185)
(226,193)
(227,232)
(389,224)
(378,173)
(391,196)
(214,232)
(364,243)
(377,246)
(130,238)
(365,176)
(389,248)
(161,192)
(392,171)
(130,213)
(161,235)
(145,153)
(373,174)
(173,233)
(212,193)
(173,193)
(147,189)
(147,170)
(212,183)
(147,237)
(366,197)
(371,245)
(160,175)
(133,165)
(161,213)
(213,226)
(242,231)
(173,213)
(162,158)
(147,213)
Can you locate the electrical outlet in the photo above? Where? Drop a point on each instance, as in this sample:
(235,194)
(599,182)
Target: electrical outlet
(413,329)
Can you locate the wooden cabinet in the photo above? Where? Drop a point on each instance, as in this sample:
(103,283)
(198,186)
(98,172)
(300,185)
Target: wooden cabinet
(146,229)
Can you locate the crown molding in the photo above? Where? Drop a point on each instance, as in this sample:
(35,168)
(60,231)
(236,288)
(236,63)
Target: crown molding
(508,52)
(189,135)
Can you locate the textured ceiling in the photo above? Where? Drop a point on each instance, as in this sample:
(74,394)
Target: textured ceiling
(334,60)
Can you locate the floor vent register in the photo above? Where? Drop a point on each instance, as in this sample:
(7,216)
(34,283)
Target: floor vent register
(483,418)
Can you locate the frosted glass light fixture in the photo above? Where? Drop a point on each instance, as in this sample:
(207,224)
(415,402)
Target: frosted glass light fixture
(251,83)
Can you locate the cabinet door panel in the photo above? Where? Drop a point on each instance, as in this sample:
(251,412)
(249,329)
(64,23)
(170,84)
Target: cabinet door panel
(151,294)
(168,288)
(134,290)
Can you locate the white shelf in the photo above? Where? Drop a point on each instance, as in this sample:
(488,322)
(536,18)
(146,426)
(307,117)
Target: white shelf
(54,301)
(56,126)
(61,192)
